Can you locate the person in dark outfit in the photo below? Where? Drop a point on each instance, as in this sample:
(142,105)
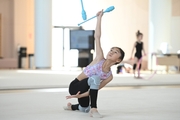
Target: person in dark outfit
(139,46)
(123,66)
(120,68)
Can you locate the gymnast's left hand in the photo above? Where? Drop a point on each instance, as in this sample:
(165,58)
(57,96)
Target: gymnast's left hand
(73,96)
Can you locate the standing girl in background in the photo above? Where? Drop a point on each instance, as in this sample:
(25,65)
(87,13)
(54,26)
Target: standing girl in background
(139,46)
(94,77)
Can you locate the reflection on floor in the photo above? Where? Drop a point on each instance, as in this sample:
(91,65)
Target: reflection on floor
(114,103)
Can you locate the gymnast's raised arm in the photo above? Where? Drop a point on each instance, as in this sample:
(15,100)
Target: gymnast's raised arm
(97,36)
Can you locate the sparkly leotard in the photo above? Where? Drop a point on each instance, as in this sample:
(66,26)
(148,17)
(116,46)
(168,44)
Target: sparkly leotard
(96,69)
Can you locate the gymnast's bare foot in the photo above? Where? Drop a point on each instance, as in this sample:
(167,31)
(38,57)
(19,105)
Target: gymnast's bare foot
(94,113)
(68,107)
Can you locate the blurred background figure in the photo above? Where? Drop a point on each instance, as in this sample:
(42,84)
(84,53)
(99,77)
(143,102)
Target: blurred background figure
(139,47)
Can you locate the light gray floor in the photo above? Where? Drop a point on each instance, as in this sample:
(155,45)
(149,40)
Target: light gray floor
(20,79)
(124,103)
(149,101)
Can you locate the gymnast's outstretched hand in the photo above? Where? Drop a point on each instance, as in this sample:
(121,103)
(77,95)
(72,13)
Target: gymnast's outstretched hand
(73,96)
(100,13)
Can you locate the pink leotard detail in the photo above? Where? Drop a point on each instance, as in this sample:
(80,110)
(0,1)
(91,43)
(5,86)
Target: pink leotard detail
(96,69)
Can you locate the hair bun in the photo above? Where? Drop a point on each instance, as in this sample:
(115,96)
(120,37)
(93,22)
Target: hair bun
(138,33)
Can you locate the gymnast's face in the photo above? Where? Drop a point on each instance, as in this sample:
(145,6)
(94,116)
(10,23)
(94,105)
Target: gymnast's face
(140,37)
(114,55)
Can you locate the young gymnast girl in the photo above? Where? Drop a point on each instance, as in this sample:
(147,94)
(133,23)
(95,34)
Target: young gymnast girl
(139,46)
(94,77)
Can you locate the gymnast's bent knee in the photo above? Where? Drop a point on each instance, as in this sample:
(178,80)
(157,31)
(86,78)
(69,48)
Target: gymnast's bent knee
(94,82)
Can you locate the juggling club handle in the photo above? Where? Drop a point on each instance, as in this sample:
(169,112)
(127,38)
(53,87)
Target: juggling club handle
(109,9)
(83,11)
